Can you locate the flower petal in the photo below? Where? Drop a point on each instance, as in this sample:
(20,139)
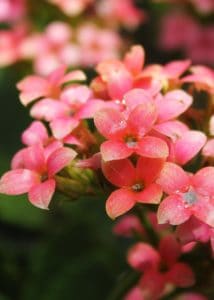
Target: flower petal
(134,59)
(203,181)
(61,127)
(110,122)
(173,104)
(143,257)
(173,179)
(35,133)
(153,147)
(169,249)
(119,202)
(148,169)
(136,97)
(32,87)
(142,118)
(181,275)
(113,150)
(188,146)
(41,194)
(59,159)
(172,129)
(18,181)
(119,172)
(48,110)
(172,210)
(34,158)
(151,194)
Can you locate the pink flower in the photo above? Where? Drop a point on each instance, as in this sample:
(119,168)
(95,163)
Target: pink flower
(122,12)
(194,230)
(97,44)
(208,149)
(189,195)
(36,176)
(72,7)
(35,87)
(10,41)
(12,10)
(136,185)
(128,225)
(202,77)
(126,131)
(177,29)
(150,261)
(118,77)
(201,48)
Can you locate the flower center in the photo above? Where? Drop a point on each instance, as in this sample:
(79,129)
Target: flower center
(137,187)
(190,197)
(44,177)
(131,141)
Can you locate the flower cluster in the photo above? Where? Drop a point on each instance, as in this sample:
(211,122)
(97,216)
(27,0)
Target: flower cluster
(78,42)
(132,134)
(182,31)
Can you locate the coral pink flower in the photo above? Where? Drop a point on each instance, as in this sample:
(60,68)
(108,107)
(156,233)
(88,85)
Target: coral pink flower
(126,132)
(136,184)
(189,195)
(36,177)
(118,77)
(35,87)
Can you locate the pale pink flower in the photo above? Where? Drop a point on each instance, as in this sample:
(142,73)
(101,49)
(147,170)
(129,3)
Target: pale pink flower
(189,195)
(9,45)
(12,10)
(72,7)
(97,44)
(36,176)
(35,87)
(120,12)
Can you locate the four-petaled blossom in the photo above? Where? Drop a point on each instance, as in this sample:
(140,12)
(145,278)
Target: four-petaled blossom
(127,132)
(136,185)
(36,175)
(189,195)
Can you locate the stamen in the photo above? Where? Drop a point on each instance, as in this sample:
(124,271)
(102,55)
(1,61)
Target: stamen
(190,197)
(137,187)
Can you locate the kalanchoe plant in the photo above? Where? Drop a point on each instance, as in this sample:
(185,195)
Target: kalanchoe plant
(133,136)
